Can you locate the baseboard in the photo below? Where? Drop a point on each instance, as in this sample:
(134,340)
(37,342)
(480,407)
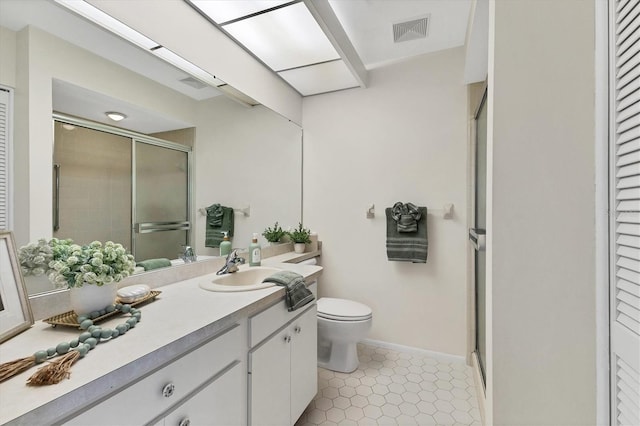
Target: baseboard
(441,356)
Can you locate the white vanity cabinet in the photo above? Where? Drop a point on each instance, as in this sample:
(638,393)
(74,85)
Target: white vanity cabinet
(203,386)
(282,365)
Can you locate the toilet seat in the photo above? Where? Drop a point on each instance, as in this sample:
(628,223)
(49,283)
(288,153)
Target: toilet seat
(342,310)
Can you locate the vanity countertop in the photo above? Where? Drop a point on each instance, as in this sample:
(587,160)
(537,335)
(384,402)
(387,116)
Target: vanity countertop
(182,316)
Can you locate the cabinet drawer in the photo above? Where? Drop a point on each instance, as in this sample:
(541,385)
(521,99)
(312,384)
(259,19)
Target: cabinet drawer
(219,403)
(268,321)
(154,394)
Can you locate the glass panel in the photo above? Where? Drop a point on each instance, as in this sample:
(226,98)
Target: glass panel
(481,221)
(161,196)
(95,185)
(165,244)
(320,78)
(225,10)
(284,38)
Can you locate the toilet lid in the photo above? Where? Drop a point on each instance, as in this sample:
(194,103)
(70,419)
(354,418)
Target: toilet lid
(342,309)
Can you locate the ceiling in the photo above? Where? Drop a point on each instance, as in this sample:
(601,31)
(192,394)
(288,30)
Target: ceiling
(368,25)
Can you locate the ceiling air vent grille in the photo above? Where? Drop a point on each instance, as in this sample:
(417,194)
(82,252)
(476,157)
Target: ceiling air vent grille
(410,30)
(196,84)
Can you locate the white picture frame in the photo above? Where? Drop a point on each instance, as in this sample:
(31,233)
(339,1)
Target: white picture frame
(15,310)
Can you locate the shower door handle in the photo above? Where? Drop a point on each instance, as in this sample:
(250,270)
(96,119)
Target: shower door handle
(478,238)
(56,200)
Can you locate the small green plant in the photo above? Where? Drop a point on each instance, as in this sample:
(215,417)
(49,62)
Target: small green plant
(275,234)
(300,235)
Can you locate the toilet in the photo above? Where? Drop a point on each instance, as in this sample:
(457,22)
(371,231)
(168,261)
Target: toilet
(341,325)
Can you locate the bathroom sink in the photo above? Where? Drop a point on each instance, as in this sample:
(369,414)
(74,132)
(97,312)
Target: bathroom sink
(243,280)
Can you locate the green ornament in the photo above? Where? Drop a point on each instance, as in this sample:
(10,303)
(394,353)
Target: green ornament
(40,356)
(62,348)
(84,336)
(92,342)
(82,350)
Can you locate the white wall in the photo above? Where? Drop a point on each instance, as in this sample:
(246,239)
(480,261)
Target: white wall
(401,139)
(8,57)
(246,157)
(541,203)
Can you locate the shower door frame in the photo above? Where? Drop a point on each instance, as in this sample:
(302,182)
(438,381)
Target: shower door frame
(479,362)
(139,137)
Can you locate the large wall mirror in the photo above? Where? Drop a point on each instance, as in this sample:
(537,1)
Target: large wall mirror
(218,150)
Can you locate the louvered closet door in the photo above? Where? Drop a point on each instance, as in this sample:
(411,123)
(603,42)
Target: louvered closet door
(4,159)
(625,212)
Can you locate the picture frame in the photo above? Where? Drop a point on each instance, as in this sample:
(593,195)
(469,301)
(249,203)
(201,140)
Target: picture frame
(15,310)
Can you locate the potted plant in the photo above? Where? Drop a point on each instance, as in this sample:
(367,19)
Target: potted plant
(89,271)
(300,237)
(275,234)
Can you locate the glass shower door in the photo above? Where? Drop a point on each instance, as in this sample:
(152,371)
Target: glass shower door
(161,207)
(92,185)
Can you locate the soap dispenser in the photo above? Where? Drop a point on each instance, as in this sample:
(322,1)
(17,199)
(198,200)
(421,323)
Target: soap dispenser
(254,251)
(225,245)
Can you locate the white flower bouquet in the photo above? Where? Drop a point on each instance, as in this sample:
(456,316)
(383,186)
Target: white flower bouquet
(71,265)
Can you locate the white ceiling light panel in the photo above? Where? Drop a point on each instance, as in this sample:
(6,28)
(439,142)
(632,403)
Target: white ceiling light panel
(320,78)
(226,10)
(284,38)
(99,17)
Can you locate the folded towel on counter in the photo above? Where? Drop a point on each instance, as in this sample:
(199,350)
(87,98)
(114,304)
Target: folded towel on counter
(407,246)
(297,294)
(151,264)
(219,221)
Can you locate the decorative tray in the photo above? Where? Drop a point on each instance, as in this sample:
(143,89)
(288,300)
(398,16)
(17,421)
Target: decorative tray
(70,319)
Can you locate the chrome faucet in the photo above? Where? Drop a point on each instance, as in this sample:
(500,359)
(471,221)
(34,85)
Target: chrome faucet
(231,264)
(188,255)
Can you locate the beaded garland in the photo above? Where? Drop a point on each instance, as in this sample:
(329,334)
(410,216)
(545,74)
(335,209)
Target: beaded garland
(71,351)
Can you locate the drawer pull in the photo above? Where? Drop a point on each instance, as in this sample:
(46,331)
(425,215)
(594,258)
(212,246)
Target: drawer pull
(298,329)
(168,389)
(287,339)
(185,422)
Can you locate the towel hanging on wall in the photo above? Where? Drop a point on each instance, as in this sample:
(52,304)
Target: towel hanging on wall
(407,233)
(219,220)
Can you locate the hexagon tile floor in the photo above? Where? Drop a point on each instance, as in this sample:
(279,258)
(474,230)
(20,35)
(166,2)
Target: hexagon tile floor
(395,388)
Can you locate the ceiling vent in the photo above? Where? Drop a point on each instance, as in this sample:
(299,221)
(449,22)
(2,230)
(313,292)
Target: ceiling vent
(196,84)
(411,30)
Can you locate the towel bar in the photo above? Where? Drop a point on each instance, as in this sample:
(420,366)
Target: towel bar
(244,211)
(446,212)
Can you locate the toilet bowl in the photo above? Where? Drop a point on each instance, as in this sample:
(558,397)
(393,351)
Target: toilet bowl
(341,325)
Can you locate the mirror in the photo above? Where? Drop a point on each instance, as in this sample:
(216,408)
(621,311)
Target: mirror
(248,158)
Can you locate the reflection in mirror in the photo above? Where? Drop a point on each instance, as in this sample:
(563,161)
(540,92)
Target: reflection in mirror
(241,156)
(92,185)
(99,195)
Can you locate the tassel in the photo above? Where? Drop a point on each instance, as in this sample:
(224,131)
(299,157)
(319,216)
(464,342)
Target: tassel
(55,371)
(11,368)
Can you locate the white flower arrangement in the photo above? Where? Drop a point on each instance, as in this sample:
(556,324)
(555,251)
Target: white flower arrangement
(71,265)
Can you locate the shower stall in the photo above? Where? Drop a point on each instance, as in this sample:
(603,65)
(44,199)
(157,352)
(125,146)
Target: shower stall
(114,184)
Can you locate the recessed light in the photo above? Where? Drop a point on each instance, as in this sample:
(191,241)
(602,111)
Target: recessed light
(115,116)
(68,126)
